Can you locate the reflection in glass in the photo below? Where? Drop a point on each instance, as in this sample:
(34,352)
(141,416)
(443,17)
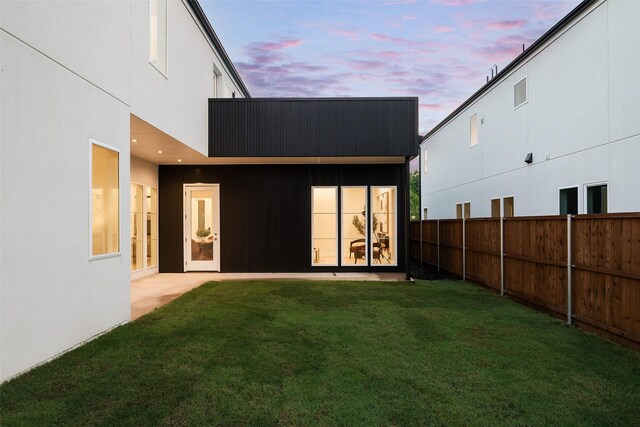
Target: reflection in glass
(136,227)
(152,226)
(354,225)
(201,225)
(105,207)
(325,226)
(384,225)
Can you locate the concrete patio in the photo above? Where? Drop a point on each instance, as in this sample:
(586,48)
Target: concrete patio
(156,290)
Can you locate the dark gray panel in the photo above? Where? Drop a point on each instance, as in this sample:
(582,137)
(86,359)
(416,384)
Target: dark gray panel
(313,127)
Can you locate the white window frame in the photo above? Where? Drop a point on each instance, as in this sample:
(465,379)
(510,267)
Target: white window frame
(338,236)
(93,257)
(163,73)
(464,210)
(577,187)
(366,226)
(526,89)
(585,198)
(502,204)
(395,246)
(477,140)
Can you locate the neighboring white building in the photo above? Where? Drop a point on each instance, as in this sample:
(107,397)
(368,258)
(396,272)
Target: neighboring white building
(98,92)
(571,100)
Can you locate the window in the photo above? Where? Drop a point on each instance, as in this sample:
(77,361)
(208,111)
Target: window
(495,208)
(597,199)
(324,226)
(158,34)
(458,210)
(467,210)
(424,157)
(508,207)
(152,226)
(425,213)
(473,139)
(354,226)
(137,204)
(105,202)
(520,93)
(569,201)
(383,225)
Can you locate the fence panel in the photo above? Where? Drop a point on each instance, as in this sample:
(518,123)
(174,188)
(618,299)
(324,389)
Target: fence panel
(606,275)
(451,245)
(482,242)
(536,261)
(430,242)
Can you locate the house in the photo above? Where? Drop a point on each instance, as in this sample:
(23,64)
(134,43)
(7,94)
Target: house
(131,146)
(555,132)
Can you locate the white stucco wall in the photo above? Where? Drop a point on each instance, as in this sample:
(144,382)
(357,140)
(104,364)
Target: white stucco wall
(582,111)
(74,71)
(52,296)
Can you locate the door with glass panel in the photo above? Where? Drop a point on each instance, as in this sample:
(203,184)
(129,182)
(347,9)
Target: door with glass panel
(202,227)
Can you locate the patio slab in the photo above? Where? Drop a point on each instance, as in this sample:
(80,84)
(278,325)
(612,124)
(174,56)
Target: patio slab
(151,292)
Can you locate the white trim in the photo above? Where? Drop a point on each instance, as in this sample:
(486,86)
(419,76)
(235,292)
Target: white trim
(366,225)
(93,257)
(425,164)
(566,187)
(395,233)
(165,74)
(514,204)
(526,91)
(585,198)
(335,187)
(464,210)
(186,222)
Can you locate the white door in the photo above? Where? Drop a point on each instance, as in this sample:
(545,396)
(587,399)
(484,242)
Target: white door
(202,227)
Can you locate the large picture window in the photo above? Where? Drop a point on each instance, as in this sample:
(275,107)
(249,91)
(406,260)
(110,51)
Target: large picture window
(158,34)
(105,203)
(324,223)
(384,230)
(354,226)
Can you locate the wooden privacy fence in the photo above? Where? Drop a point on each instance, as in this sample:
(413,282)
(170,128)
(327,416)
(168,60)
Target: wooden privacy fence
(582,268)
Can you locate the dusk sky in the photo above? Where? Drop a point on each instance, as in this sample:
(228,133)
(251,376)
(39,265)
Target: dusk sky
(437,50)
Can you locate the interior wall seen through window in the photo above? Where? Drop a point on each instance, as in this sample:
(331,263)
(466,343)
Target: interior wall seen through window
(324,226)
(105,203)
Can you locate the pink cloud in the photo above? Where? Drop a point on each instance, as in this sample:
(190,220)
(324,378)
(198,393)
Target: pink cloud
(385,38)
(453,2)
(283,44)
(350,34)
(507,24)
(442,29)
(432,107)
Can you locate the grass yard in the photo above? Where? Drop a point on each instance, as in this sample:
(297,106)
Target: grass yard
(335,353)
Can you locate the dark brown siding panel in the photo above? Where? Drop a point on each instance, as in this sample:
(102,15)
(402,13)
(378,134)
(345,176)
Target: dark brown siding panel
(313,127)
(265,213)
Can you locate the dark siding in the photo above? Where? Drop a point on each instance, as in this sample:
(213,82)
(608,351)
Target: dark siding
(313,127)
(265,213)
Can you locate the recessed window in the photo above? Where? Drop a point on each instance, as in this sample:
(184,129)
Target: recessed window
(383,225)
(569,201)
(467,210)
(495,208)
(158,34)
(105,201)
(458,210)
(324,207)
(508,206)
(520,93)
(354,226)
(424,161)
(473,134)
(597,199)
(426,211)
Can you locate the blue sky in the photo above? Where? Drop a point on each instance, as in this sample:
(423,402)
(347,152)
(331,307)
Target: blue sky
(438,50)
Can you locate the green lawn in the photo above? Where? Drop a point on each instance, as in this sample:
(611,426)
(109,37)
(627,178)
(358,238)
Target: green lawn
(327,353)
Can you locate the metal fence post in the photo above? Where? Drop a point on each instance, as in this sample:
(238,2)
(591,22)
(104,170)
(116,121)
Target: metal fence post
(501,256)
(464,251)
(438,244)
(569,314)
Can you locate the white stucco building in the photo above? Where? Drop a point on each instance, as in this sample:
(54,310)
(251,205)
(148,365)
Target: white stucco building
(102,93)
(568,105)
